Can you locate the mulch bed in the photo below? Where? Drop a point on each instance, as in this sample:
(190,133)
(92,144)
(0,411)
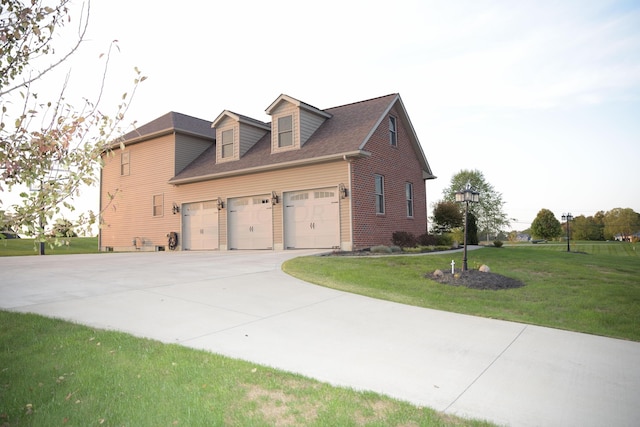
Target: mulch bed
(475,279)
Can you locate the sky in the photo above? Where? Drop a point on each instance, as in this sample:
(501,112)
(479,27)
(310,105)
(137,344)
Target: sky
(542,97)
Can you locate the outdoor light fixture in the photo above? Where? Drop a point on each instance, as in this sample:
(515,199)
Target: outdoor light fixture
(220,204)
(175,209)
(274,198)
(568,217)
(342,191)
(466,196)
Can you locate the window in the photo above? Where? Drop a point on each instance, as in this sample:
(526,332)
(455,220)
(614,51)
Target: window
(124,163)
(285,131)
(393,134)
(409,195)
(379,194)
(227,143)
(158,204)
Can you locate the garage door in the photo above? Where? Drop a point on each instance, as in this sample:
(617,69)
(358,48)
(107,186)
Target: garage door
(200,226)
(312,219)
(250,223)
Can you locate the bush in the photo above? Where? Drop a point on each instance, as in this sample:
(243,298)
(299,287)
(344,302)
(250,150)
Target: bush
(381,249)
(404,239)
(427,240)
(444,240)
(497,243)
(395,249)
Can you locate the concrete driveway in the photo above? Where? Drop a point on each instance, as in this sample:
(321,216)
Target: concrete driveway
(242,305)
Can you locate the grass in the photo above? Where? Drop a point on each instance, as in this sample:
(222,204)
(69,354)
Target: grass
(21,247)
(596,291)
(58,373)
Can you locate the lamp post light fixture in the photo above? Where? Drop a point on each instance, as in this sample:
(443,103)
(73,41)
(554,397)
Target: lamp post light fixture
(466,196)
(568,217)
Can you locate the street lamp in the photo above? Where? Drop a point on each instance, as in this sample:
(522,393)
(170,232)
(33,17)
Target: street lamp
(466,196)
(568,217)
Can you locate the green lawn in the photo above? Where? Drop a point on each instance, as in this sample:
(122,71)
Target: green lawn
(76,245)
(55,373)
(596,291)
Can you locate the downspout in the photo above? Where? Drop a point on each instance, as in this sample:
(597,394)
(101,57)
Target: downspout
(349,166)
(100,213)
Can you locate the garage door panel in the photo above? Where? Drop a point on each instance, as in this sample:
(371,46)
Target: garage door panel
(250,223)
(312,219)
(200,226)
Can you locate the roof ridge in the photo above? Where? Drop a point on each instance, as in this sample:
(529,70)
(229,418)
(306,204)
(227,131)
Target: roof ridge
(363,101)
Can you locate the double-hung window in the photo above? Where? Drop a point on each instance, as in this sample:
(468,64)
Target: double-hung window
(158,204)
(285,131)
(409,195)
(379,194)
(227,143)
(393,132)
(125,163)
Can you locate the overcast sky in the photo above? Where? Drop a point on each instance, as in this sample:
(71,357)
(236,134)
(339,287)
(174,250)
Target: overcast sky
(543,97)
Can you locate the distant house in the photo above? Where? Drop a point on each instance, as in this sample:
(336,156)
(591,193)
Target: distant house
(345,178)
(633,237)
(523,237)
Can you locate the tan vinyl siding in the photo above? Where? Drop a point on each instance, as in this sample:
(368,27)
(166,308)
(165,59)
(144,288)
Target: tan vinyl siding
(129,215)
(309,123)
(187,149)
(299,178)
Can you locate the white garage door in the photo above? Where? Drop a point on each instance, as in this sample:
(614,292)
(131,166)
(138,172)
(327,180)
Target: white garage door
(250,222)
(312,219)
(200,226)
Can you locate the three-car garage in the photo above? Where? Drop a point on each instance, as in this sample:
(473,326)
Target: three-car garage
(305,219)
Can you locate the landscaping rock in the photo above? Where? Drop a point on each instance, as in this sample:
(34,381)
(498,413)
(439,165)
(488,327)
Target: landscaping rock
(484,268)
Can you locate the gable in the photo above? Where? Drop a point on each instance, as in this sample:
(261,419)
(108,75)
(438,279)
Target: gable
(338,133)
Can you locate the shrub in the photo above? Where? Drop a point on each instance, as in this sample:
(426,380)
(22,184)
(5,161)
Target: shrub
(427,240)
(395,249)
(380,249)
(444,240)
(497,243)
(404,239)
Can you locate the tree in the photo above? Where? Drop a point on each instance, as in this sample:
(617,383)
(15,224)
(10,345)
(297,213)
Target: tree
(619,221)
(48,146)
(446,216)
(489,212)
(586,228)
(545,225)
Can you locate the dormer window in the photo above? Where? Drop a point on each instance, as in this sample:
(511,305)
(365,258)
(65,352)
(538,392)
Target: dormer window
(285,131)
(227,144)
(393,133)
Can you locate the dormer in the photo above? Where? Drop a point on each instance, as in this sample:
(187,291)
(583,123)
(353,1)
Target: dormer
(292,123)
(236,134)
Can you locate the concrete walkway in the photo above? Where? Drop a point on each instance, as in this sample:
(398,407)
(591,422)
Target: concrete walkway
(242,305)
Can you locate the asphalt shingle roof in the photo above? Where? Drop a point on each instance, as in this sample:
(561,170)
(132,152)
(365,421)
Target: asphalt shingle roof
(345,132)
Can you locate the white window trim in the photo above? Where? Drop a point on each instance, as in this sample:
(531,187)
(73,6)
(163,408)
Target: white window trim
(222,144)
(379,197)
(408,190)
(393,131)
(285,147)
(127,155)
(161,205)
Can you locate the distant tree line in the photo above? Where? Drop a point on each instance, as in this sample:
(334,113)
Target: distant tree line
(618,222)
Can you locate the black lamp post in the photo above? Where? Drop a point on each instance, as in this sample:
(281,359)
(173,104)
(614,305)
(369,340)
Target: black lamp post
(568,217)
(465,196)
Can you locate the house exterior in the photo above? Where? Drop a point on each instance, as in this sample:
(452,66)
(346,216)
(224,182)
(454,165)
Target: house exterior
(341,178)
